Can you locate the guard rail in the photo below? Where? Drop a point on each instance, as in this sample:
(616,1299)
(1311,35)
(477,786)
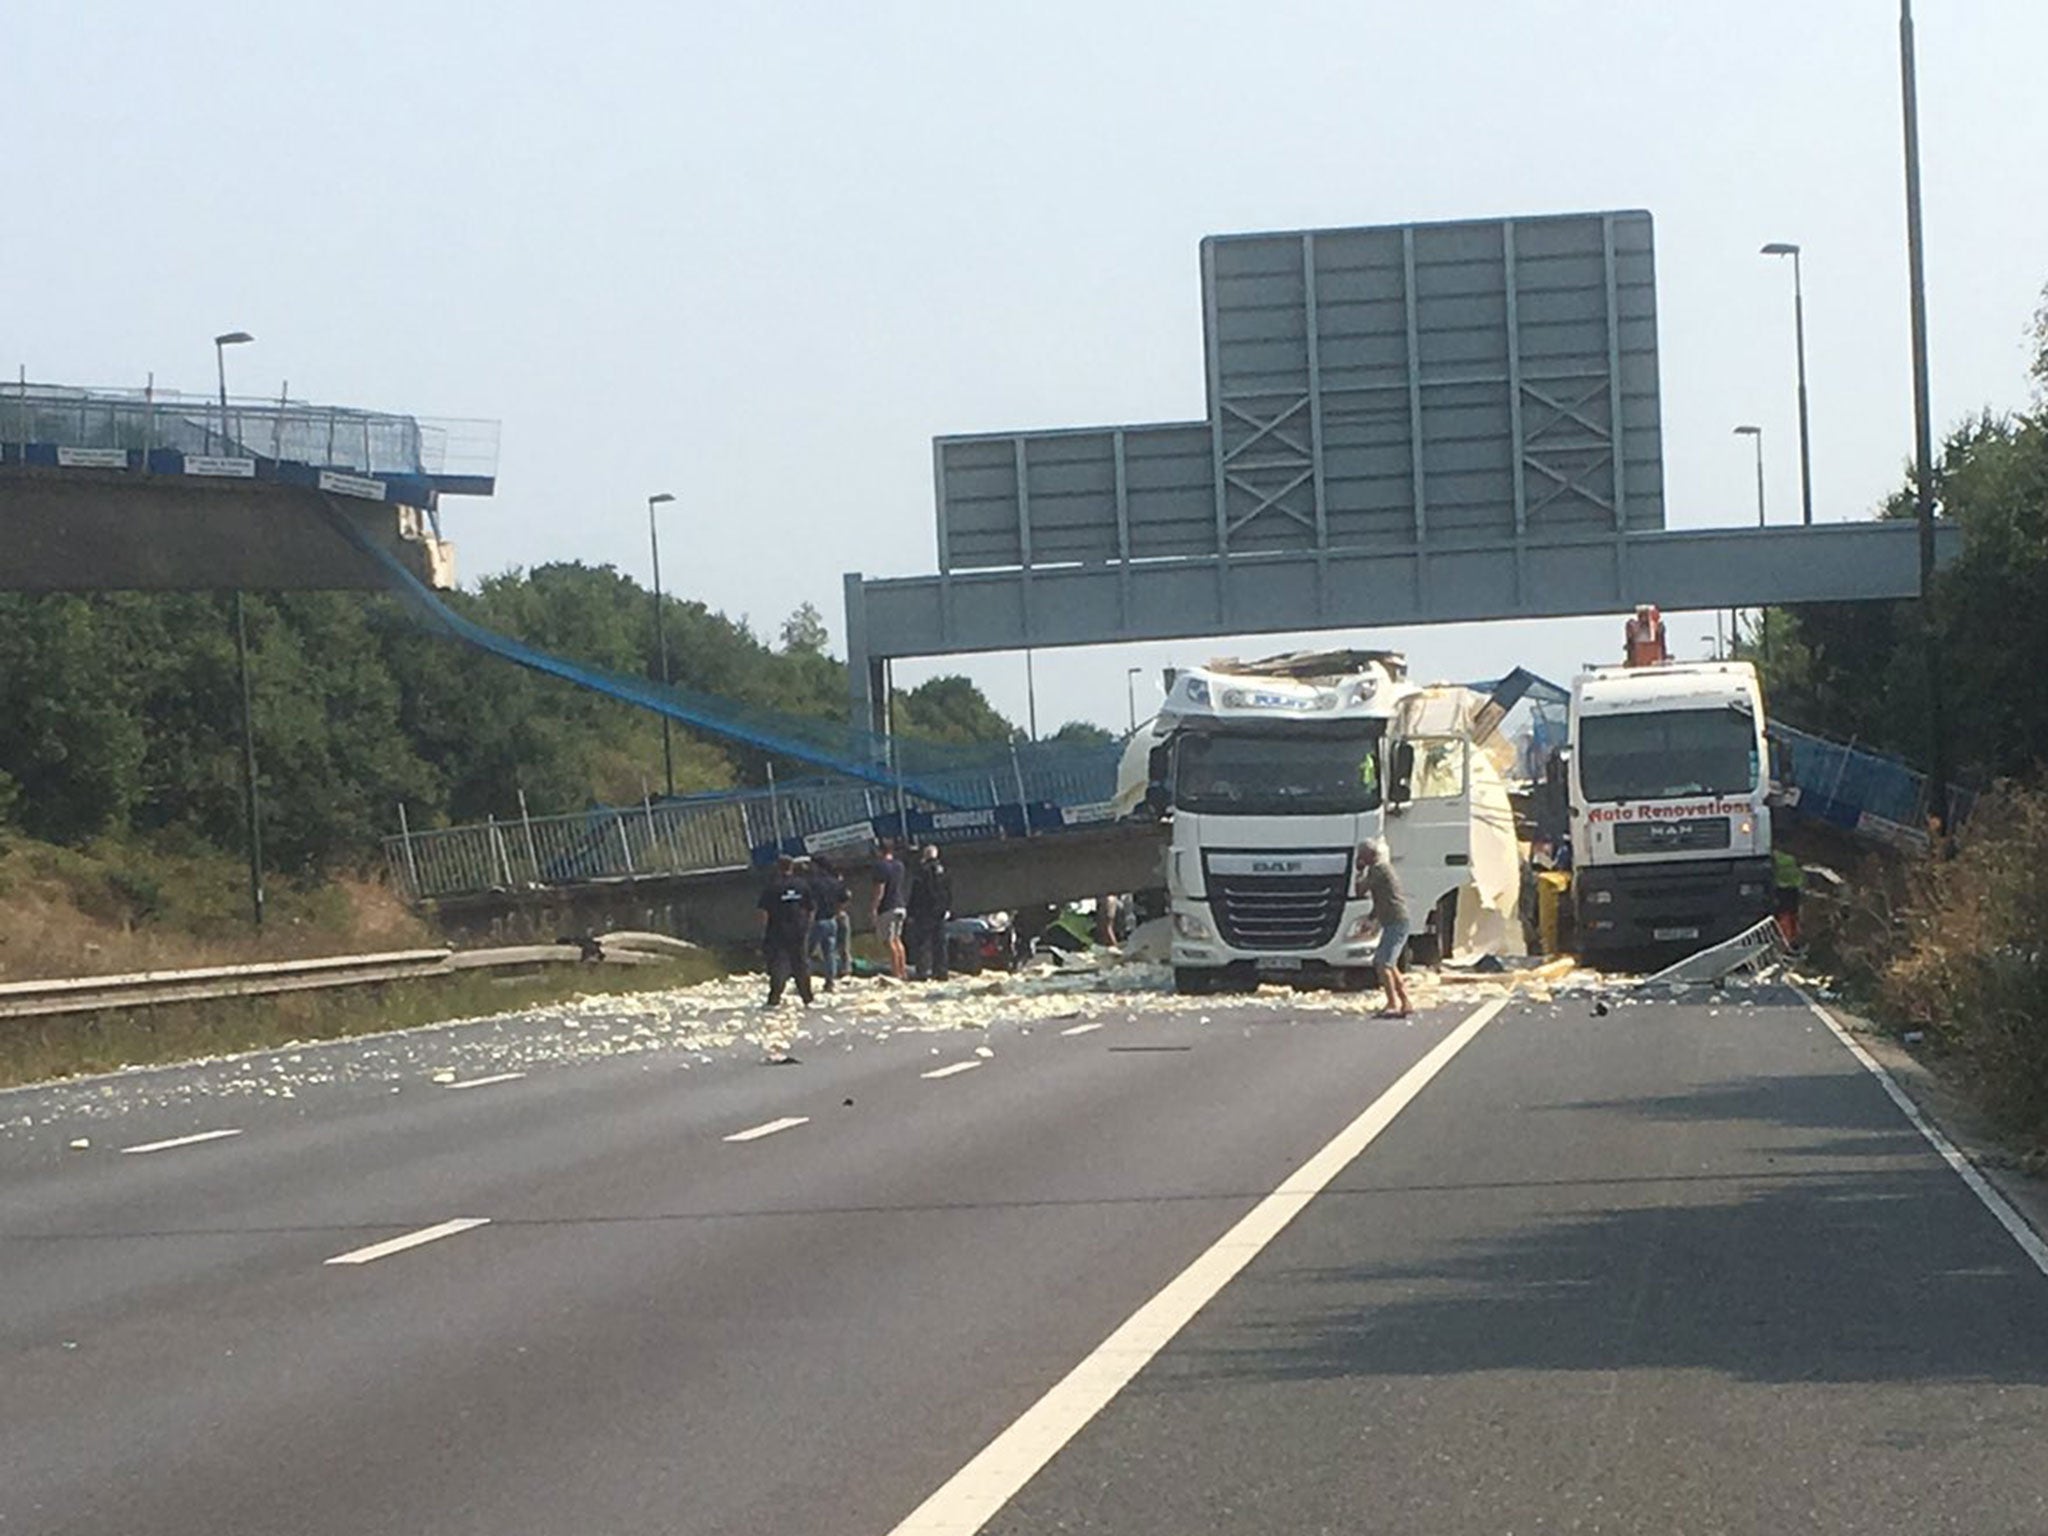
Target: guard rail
(150,989)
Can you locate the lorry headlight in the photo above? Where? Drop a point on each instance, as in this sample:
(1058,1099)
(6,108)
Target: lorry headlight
(1362,929)
(1601,898)
(1188,926)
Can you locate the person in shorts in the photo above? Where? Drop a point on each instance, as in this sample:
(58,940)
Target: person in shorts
(891,906)
(1390,911)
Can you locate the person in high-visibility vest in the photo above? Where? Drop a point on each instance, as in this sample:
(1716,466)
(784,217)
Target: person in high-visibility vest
(1788,877)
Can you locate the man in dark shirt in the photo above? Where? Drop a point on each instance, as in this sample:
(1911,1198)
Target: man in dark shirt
(931,904)
(889,910)
(787,907)
(829,895)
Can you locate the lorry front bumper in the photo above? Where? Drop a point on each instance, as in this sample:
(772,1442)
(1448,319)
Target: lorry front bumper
(1305,964)
(1670,905)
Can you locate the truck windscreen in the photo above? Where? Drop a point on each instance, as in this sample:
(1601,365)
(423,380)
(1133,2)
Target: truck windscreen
(1665,754)
(1279,771)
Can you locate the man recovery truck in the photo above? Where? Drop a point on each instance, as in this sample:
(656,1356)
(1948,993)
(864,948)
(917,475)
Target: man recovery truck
(1670,814)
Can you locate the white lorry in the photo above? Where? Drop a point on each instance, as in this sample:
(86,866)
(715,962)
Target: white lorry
(1275,773)
(1670,821)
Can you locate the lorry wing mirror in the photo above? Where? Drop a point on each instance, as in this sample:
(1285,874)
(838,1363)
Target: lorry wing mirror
(1403,777)
(1159,780)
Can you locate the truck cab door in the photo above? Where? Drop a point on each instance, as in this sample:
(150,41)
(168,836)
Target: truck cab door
(1429,816)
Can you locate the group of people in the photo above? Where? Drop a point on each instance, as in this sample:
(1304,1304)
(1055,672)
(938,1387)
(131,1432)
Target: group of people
(805,921)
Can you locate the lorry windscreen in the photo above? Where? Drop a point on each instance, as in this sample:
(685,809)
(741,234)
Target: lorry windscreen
(1279,771)
(1665,754)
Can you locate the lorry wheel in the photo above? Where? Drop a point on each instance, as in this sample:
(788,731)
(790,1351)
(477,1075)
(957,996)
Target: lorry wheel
(1191,982)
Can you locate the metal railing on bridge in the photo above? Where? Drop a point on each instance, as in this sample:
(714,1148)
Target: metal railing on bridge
(1034,790)
(286,431)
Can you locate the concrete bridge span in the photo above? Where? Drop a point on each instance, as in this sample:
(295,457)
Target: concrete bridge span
(717,907)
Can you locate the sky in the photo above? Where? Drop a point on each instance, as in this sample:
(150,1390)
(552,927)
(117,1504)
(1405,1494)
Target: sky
(760,255)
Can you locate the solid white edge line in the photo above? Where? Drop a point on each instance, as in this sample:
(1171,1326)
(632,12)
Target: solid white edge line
(1082,1029)
(970,1497)
(953,1071)
(485,1082)
(410,1240)
(179,1141)
(2015,1224)
(787,1123)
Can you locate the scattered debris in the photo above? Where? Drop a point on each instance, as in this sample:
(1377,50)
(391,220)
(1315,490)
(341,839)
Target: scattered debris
(1751,950)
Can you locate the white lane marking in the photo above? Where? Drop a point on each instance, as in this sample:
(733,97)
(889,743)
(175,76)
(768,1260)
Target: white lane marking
(787,1124)
(1082,1029)
(179,1141)
(485,1082)
(968,1499)
(433,1234)
(2014,1223)
(953,1070)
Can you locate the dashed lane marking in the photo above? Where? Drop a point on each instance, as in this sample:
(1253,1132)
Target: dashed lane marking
(1082,1029)
(432,1234)
(179,1141)
(788,1123)
(954,1070)
(485,1082)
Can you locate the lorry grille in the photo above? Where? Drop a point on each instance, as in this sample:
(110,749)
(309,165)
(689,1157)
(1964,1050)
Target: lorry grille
(1696,832)
(1272,912)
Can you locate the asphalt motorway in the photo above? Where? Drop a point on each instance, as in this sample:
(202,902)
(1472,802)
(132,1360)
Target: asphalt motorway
(1674,1268)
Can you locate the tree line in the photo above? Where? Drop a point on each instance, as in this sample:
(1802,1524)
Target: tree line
(1857,670)
(120,713)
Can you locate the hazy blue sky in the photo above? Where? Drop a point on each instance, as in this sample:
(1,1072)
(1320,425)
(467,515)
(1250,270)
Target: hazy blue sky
(759,255)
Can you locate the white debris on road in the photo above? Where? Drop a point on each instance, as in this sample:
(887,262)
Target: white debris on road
(684,1027)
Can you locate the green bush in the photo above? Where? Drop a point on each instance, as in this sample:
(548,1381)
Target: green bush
(1967,958)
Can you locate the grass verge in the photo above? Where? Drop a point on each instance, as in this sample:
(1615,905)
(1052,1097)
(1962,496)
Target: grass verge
(43,1050)
(1951,954)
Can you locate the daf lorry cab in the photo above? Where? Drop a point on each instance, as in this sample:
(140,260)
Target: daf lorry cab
(1275,774)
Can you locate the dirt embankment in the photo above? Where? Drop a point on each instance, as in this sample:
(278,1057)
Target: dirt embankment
(117,908)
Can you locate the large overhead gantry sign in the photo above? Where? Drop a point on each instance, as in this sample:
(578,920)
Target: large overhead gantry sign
(1408,424)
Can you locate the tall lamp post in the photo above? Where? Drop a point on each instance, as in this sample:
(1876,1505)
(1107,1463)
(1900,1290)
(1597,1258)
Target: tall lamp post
(1786,248)
(1755,435)
(668,751)
(252,810)
(1131,693)
(221,344)
(1923,428)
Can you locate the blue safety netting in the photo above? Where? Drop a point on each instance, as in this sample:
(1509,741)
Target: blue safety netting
(938,772)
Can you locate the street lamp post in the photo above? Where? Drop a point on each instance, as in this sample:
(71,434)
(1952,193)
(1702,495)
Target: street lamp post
(1763,622)
(252,810)
(1786,248)
(668,753)
(1131,693)
(1923,427)
(1756,435)
(221,344)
